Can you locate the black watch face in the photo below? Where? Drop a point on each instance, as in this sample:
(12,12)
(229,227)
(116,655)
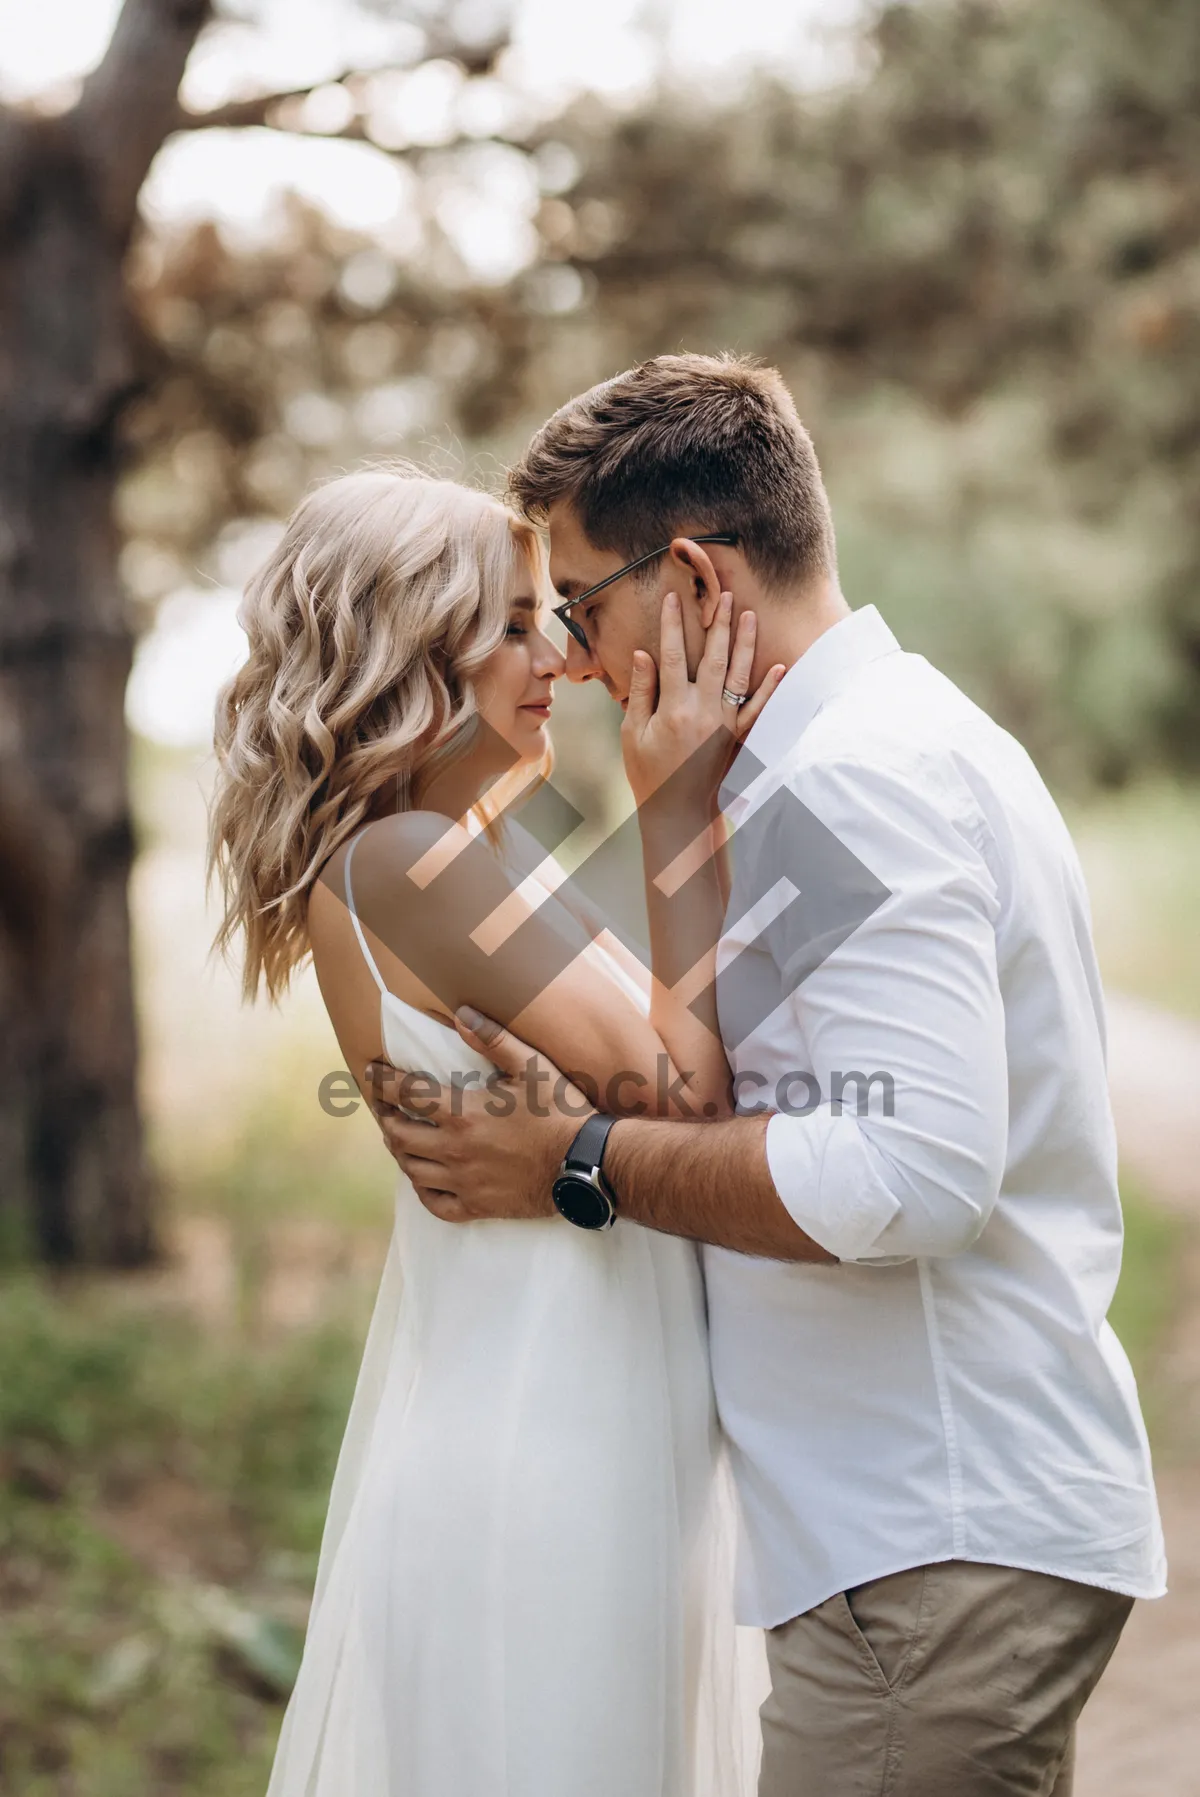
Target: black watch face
(580,1203)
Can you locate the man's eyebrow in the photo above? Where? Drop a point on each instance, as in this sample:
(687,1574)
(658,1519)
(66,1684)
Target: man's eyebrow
(564,588)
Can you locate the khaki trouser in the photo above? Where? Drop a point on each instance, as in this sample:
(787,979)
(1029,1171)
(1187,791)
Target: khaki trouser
(954,1680)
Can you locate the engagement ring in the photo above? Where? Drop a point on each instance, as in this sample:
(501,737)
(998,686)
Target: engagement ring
(733,698)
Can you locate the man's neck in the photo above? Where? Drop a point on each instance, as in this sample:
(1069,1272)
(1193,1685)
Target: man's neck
(789,626)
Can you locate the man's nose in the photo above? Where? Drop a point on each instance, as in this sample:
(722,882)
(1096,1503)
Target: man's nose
(580,663)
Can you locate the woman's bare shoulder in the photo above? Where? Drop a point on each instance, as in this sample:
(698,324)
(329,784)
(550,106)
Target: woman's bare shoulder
(389,849)
(393,844)
(388,890)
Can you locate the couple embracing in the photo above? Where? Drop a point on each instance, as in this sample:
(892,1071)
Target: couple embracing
(805,1236)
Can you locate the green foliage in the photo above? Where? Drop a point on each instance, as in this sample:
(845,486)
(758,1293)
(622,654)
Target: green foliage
(976,262)
(978,265)
(160,1510)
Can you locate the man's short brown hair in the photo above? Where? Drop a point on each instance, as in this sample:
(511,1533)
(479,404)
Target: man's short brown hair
(686,443)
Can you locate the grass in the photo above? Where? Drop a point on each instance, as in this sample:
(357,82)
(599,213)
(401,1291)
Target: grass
(148,1471)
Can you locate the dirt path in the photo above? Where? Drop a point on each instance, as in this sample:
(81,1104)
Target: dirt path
(1140,1736)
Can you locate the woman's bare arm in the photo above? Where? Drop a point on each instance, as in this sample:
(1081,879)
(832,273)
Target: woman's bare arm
(468,936)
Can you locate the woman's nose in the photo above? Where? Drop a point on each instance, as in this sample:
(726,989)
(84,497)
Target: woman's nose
(549,661)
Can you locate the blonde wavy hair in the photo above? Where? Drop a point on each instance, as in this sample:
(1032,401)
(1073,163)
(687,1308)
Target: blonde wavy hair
(387,592)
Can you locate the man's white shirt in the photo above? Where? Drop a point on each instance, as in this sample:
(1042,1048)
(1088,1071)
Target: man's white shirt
(951,1389)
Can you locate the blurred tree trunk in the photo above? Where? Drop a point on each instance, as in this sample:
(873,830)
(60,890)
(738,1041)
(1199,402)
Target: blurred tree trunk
(74,1184)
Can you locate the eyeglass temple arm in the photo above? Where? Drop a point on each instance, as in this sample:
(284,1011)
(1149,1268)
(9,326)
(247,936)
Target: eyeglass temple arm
(721,537)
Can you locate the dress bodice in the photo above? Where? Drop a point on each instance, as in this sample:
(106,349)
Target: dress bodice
(418,1043)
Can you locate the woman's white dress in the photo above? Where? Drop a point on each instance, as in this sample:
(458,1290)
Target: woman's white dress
(524,1586)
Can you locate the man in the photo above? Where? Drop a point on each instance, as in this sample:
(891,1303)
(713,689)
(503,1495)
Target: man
(913,1238)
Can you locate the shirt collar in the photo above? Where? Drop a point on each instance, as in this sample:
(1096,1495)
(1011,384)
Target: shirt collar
(824,668)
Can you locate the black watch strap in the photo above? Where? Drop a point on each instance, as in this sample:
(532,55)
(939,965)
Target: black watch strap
(587,1150)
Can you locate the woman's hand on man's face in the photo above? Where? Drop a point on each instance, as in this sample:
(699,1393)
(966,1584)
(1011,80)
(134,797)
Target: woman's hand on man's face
(688,729)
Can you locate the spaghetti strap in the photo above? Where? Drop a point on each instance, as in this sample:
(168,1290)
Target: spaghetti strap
(368,957)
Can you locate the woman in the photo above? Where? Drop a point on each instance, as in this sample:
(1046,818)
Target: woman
(522,1586)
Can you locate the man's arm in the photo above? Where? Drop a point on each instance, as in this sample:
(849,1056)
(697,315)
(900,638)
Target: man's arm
(495,1154)
(709,1181)
(908,1006)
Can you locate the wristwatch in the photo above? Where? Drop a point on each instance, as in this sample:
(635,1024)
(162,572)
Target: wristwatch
(580,1191)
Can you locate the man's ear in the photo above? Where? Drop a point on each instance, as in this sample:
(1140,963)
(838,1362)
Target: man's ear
(706,588)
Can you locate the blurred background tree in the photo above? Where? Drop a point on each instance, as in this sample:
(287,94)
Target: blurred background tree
(976,255)
(76,361)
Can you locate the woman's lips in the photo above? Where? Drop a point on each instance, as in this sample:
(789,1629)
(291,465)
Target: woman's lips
(541,710)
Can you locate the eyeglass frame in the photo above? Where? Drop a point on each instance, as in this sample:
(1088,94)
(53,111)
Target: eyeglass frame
(577,630)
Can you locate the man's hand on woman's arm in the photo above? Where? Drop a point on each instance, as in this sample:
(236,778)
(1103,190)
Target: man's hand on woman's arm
(494,1153)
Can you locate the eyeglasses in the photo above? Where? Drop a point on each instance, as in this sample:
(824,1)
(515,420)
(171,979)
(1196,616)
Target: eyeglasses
(577,630)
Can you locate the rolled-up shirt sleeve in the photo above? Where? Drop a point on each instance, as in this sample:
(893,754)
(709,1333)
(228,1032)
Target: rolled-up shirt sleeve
(906,1012)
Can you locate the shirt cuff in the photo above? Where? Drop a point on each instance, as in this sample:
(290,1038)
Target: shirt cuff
(820,1169)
